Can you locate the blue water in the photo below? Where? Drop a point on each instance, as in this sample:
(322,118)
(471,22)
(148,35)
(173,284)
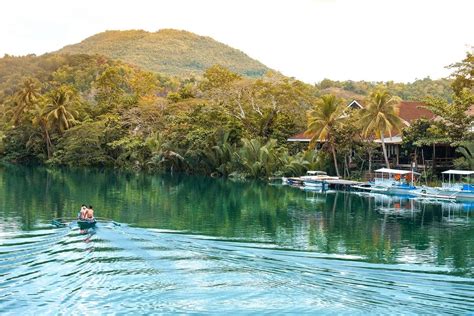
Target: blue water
(199,245)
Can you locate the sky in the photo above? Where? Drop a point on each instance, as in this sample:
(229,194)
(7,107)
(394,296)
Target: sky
(372,40)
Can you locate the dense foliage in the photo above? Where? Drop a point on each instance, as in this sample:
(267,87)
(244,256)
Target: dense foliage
(415,91)
(173,52)
(90,110)
(94,111)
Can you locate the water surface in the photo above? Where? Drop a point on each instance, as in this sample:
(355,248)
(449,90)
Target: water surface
(194,244)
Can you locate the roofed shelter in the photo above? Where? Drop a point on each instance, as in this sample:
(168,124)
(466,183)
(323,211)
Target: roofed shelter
(409,111)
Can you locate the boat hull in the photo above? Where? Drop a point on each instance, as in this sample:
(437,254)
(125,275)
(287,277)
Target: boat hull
(444,194)
(85,224)
(465,196)
(390,190)
(401,191)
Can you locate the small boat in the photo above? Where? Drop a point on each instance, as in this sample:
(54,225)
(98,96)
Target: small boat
(315,179)
(86,224)
(390,181)
(294,181)
(453,189)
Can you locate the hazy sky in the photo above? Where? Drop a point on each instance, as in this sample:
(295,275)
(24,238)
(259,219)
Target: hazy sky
(373,40)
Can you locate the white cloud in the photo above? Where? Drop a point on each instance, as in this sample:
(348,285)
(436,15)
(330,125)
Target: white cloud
(309,39)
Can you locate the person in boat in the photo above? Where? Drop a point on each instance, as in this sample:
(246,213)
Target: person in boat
(89,214)
(82,212)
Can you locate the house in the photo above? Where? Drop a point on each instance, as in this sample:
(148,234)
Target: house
(441,155)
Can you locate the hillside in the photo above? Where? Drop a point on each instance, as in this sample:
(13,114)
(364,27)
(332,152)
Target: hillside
(168,51)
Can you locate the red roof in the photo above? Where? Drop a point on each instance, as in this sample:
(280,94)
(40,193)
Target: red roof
(300,137)
(410,111)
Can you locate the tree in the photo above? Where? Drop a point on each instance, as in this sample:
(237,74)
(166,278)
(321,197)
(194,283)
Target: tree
(379,117)
(25,98)
(114,89)
(467,150)
(59,108)
(323,120)
(463,75)
(455,122)
(258,159)
(40,119)
(90,135)
(347,138)
(218,77)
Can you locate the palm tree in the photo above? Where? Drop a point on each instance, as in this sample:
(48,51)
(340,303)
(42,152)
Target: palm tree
(25,98)
(40,119)
(466,149)
(380,117)
(257,159)
(323,121)
(58,108)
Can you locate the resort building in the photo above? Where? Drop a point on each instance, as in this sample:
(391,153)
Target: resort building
(439,155)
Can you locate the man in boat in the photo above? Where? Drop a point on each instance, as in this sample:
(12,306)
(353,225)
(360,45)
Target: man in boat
(89,214)
(82,212)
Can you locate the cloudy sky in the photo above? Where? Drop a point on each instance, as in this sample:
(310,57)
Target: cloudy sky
(399,40)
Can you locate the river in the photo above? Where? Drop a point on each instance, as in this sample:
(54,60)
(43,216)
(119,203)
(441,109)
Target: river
(190,244)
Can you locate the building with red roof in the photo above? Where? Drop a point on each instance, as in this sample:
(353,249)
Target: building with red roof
(409,111)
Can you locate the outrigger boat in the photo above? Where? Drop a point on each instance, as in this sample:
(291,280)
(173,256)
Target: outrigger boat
(391,181)
(453,189)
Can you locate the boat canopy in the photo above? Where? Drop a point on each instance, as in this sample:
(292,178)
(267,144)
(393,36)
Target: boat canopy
(461,172)
(315,172)
(396,171)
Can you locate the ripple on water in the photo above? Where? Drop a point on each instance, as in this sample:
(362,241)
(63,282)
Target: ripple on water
(125,269)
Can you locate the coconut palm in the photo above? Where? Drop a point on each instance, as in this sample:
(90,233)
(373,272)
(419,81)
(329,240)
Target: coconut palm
(25,98)
(467,150)
(380,117)
(323,120)
(40,119)
(59,108)
(257,159)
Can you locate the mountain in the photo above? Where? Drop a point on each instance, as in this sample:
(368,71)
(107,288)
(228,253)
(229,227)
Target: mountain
(168,51)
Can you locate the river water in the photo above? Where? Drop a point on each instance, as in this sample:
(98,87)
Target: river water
(191,244)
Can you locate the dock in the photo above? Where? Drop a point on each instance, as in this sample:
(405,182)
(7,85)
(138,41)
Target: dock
(340,184)
(324,184)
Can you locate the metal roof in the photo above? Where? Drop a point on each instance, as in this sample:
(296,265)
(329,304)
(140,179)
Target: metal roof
(395,171)
(313,172)
(462,172)
(391,140)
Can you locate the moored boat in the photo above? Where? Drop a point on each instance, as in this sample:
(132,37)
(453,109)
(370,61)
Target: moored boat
(313,179)
(316,179)
(390,181)
(452,188)
(459,184)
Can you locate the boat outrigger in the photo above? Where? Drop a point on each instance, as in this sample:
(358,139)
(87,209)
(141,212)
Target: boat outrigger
(452,189)
(391,181)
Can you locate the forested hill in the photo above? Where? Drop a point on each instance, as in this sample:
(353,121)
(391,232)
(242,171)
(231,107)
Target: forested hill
(168,51)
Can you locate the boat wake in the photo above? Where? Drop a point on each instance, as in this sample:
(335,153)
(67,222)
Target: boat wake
(122,269)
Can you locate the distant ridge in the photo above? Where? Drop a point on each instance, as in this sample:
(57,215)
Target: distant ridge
(168,51)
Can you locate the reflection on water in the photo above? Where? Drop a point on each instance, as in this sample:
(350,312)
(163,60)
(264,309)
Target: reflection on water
(206,245)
